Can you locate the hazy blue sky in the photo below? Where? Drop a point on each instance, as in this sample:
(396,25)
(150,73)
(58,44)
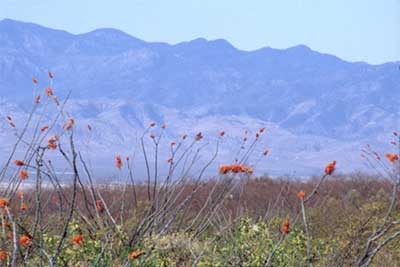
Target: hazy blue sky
(367,30)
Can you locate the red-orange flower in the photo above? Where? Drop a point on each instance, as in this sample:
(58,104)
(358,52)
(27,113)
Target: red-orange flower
(52,146)
(199,136)
(77,240)
(34,80)
(223,169)
(301,195)
(169,160)
(20,194)
(51,75)
(262,130)
(173,143)
(69,124)
(19,162)
(392,157)
(330,168)
(3,202)
(235,168)
(53,139)
(118,161)
(37,99)
(23,174)
(3,255)
(49,91)
(286,226)
(164,126)
(99,206)
(9,117)
(24,240)
(136,254)
(265,152)
(152,124)
(44,128)
(221,133)
(6,224)
(24,207)
(152,136)
(12,124)
(257,135)
(184,136)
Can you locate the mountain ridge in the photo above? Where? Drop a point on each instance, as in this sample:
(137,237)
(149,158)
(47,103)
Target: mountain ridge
(12,22)
(311,95)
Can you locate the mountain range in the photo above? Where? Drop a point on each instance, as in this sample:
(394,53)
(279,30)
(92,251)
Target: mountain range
(316,107)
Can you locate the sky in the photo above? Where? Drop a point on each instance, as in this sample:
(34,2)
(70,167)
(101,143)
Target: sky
(355,30)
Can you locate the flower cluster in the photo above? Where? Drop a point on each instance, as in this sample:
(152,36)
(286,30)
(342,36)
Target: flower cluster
(19,163)
(69,124)
(392,157)
(24,240)
(235,168)
(44,128)
(12,123)
(301,195)
(24,206)
(23,174)
(3,255)
(136,254)
(198,137)
(49,91)
(52,141)
(99,206)
(77,240)
(286,226)
(330,168)
(3,202)
(118,161)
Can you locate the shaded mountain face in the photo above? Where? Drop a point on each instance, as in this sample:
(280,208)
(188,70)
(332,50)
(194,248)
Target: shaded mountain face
(310,95)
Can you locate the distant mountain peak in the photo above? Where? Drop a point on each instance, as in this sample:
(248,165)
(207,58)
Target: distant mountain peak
(204,44)
(222,43)
(199,40)
(10,24)
(110,33)
(11,21)
(300,48)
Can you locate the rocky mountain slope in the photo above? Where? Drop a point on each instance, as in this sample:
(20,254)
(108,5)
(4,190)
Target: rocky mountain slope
(316,107)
